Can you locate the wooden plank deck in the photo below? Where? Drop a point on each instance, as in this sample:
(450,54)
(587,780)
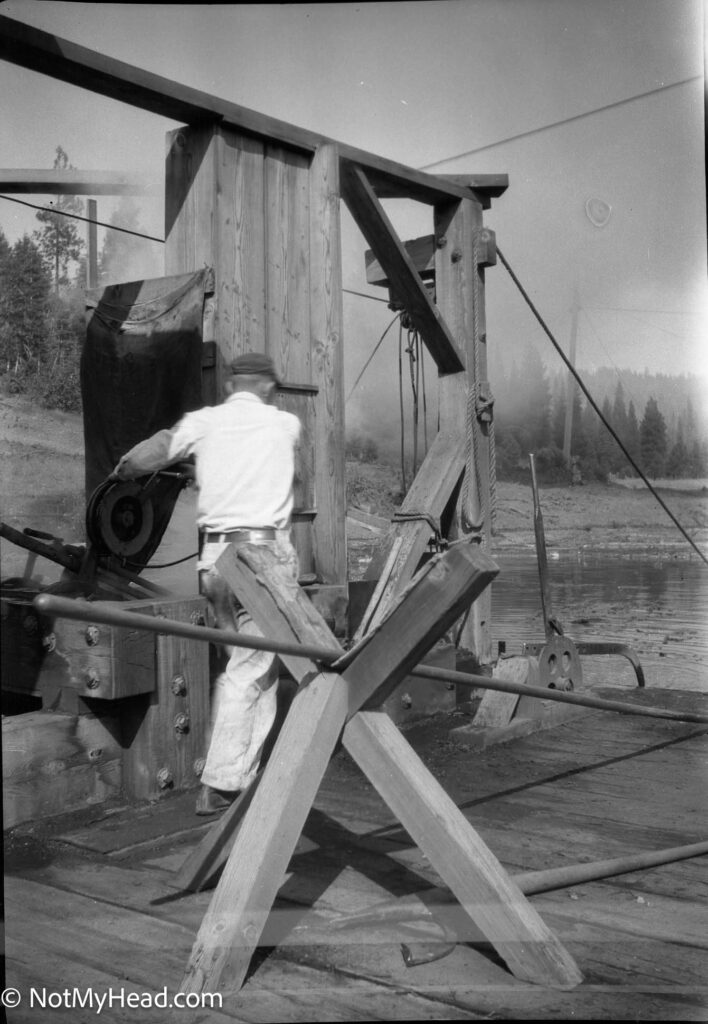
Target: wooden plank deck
(92,907)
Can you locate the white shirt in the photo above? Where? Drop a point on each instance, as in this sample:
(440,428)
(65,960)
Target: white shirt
(245,462)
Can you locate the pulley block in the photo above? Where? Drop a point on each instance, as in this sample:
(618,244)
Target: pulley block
(559,665)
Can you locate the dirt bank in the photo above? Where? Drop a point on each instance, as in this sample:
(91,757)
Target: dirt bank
(42,486)
(591,515)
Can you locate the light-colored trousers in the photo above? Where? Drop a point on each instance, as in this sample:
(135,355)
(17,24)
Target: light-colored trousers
(244,700)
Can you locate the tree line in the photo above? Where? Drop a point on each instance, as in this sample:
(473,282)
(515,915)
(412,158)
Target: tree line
(42,295)
(531,416)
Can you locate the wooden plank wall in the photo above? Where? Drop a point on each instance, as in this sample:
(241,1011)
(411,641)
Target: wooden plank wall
(266,218)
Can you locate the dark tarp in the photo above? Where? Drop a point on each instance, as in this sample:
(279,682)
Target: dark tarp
(141,364)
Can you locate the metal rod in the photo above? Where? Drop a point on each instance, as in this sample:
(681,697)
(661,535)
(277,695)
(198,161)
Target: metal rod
(99,611)
(533,882)
(562,696)
(541,556)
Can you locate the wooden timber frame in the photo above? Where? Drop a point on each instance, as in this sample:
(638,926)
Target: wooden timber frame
(343,703)
(258,200)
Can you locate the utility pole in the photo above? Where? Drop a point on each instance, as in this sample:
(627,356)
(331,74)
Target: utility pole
(92,247)
(571,385)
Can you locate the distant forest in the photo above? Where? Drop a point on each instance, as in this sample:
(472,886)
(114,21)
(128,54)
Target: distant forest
(42,296)
(659,419)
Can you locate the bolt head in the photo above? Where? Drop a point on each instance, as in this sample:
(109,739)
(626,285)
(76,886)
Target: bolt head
(92,635)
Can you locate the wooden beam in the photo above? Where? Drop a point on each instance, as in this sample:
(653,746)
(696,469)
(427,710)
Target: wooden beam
(427,497)
(405,280)
(74,183)
(421,252)
(269,832)
(326,327)
(485,186)
(459,286)
(77,65)
(456,851)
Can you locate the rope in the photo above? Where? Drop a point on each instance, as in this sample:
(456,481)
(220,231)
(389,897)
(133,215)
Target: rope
(162,565)
(469,521)
(597,409)
(363,295)
(425,401)
(492,475)
(376,348)
(414,367)
(400,402)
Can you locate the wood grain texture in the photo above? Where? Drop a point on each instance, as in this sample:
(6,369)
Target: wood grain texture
(464,862)
(422,253)
(459,285)
(497,709)
(326,327)
(240,253)
(267,835)
(262,849)
(428,495)
(286,205)
(57,762)
(400,269)
(166,731)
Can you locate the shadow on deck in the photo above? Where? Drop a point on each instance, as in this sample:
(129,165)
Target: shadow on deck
(91,910)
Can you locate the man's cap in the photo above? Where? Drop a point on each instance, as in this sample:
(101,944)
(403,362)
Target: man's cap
(254,362)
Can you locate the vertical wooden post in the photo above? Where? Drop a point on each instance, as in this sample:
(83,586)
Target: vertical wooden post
(326,318)
(571,386)
(214,217)
(92,247)
(459,284)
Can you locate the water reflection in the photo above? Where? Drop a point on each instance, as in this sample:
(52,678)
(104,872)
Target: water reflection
(657,605)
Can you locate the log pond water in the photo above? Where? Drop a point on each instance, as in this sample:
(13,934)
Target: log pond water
(655,603)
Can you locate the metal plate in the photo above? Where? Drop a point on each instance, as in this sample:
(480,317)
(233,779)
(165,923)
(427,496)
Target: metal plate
(559,664)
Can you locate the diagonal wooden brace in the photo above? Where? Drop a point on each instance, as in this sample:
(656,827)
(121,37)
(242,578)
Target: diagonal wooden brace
(325,702)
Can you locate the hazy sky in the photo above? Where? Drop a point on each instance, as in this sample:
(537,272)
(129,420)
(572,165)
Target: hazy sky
(442,85)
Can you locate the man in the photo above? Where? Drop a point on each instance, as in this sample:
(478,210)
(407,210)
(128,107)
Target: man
(245,464)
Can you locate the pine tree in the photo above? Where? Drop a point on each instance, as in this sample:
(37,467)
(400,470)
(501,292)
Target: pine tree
(5,257)
(652,440)
(28,290)
(530,414)
(604,442)
(59,240)
(631,441)
(678,462)
(618,419)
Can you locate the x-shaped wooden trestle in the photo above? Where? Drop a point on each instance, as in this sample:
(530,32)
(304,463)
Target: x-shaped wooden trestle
(341,702)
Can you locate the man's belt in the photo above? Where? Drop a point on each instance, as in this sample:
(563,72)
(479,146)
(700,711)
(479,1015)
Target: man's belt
(246,534)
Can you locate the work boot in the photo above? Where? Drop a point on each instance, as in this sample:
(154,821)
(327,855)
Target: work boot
(214,801)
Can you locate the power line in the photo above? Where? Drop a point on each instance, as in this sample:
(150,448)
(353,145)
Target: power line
(87,220)
(667,312)
(558,124)
(138,234)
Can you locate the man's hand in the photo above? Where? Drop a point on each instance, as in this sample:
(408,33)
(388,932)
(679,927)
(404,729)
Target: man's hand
(123,470)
